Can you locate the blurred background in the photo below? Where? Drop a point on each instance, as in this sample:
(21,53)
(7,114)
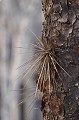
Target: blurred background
(18,19)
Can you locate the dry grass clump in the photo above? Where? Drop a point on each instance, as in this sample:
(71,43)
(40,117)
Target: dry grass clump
(44,58)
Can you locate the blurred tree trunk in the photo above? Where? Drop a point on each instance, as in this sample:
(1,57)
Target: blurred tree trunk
(61,25)
(16,16)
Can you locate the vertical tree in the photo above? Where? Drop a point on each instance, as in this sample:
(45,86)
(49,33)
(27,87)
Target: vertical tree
(61,30)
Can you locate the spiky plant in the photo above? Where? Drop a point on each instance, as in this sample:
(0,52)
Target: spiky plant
(52,95)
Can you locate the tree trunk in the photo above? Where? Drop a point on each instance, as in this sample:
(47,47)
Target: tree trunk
(61,25)
(16,16)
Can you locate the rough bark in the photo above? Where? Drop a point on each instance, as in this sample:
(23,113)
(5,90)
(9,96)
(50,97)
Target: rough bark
(61,25)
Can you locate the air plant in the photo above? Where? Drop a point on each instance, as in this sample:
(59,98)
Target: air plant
(45,80)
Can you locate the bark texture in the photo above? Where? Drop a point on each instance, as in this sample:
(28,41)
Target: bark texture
(61,25)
